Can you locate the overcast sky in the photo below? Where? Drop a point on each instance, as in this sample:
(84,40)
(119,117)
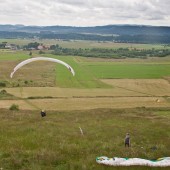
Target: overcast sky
(85,12)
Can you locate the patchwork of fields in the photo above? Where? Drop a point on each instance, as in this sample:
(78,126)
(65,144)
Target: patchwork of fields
(106,98)
(97,84)
(126,93)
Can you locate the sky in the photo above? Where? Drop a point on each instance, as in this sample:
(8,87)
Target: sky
(85,12)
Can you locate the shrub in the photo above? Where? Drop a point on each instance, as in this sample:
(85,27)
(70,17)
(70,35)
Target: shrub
(26,82)
(2,84)
(3,92)
(14,107)
(41,52)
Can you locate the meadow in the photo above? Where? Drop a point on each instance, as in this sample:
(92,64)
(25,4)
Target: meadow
(107,98)
(55,142)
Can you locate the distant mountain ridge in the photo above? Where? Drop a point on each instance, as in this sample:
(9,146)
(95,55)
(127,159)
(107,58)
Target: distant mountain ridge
(107,29)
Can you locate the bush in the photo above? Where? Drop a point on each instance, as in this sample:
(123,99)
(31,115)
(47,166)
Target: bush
(3,92)
(14,107)
(41,52)
(2,84)
(26,82)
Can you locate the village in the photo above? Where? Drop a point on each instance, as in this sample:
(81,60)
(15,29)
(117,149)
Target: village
(29,46)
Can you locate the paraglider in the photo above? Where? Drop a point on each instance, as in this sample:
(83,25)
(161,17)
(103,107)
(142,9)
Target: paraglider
(41,59)
(43,112)
(116,161)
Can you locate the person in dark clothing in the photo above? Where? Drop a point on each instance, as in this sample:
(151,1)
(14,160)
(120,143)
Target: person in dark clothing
(43,113)
(127,140)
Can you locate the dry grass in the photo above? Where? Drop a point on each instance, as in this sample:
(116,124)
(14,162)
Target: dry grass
(26,92)
(37,74)
(92,103)
(127,93)
(23,105)
(154,87)
(86,103)
(41,73)
(6,68)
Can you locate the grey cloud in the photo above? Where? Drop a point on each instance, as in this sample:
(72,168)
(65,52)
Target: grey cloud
(85,12)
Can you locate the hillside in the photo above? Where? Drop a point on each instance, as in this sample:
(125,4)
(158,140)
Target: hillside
(108,29)
(116,33)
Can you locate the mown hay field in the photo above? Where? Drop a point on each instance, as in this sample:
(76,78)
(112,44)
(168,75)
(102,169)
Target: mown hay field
(124,94)
(152,87)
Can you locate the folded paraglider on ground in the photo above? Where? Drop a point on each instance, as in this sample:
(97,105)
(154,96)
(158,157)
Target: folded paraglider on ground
(116,161)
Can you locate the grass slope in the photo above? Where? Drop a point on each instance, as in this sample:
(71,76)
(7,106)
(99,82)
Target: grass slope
(30,142)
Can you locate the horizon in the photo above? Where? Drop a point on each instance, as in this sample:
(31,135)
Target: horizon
(142,25)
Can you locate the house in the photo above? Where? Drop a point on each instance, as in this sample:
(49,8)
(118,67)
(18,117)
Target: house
(40,47)
(11,46)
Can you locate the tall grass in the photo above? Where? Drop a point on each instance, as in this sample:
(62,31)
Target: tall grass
(28,141)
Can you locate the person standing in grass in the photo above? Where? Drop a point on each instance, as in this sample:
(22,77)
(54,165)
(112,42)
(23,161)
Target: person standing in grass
(127,140)
(43,113)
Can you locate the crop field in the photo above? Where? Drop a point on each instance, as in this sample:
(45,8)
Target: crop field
(96,84)
(150,87)
(132,71)
(106,99)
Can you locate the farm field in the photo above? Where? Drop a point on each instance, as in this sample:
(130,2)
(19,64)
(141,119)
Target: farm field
(106,98)
(125,94)
(84,44)
(88,74)
(96,84)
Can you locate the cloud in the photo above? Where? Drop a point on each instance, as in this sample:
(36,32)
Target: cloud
(85,12)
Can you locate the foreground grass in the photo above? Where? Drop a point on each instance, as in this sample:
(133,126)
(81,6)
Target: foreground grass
(30,142)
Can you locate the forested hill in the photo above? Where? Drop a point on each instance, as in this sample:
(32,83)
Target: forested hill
(108,29)
(116,33)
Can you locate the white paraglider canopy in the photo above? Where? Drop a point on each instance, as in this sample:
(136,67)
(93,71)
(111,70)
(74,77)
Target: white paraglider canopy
(41,59)
(116,161)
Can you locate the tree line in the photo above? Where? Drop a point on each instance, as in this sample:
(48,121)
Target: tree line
(143,38)
(110,53)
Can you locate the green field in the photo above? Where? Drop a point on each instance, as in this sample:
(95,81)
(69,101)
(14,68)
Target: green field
(131,71)
(106,98)
(13,55)
(89,73)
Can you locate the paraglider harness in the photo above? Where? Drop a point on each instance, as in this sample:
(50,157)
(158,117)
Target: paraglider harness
(43,113)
